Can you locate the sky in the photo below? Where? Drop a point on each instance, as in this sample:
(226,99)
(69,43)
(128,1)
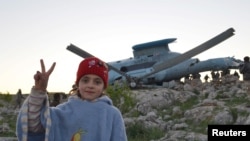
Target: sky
(33,30)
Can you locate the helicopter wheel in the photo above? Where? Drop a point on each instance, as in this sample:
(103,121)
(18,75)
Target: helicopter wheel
(132,84)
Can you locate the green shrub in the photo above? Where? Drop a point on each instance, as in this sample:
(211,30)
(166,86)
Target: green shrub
(6,97)
(11,120)
(138,132)
(121,96)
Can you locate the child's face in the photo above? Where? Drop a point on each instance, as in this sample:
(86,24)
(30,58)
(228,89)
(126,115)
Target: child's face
(90,87)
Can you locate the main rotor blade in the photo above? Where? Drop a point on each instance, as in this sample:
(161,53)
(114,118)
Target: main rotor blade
(205,46)
(79,51)
(85,54)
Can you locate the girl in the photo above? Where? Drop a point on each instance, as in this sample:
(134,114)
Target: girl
(87,116)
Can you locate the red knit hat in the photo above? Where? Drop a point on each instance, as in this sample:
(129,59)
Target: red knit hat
(93,65)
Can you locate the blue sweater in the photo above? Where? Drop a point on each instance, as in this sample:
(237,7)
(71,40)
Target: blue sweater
(76,120)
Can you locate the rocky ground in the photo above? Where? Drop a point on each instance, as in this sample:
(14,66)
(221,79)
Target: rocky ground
(182,111)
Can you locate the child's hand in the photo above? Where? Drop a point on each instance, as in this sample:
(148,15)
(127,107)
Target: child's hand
(41,78)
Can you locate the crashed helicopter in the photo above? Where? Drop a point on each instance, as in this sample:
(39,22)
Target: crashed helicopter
(154,63)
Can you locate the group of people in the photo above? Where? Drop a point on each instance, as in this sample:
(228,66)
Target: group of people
(217,76)
(244,69)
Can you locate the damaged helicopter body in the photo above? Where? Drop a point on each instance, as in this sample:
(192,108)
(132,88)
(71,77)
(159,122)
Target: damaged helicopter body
(149,54)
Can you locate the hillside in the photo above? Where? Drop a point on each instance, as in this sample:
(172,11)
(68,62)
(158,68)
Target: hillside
(175,111)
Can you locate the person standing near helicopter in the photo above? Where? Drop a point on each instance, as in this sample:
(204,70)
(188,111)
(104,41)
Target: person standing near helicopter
(245,70)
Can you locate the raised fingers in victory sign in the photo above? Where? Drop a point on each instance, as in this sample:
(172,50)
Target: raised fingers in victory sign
(41,78)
